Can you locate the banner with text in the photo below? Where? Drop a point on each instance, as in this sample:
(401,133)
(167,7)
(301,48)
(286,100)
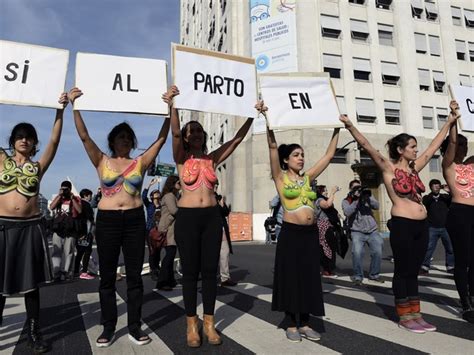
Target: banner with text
(464,95)
(121,84)
(32,75)
(299,100)
(214,82)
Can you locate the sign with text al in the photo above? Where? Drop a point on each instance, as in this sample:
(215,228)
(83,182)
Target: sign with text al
(214,82)
(464,95)
(121,84)
(32,75)
(299,100)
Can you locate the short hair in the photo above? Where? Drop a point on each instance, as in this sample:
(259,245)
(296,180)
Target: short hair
(444,145)
(320,190)
(434,182)
(30,131)
(85,192)
(66,183)
(355,181)
(122,127)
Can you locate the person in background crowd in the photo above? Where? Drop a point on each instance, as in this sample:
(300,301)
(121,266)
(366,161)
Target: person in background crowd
(459,174)
(96,199)
(152,207)
(169,208)
(327,218)
(67,208)
(25,261)
(277,212)
(437,206)
(408,225)
(358,208)
(86,238)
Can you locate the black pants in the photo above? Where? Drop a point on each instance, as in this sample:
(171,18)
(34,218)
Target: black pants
(409,242)
(32,305)
(166,275)
(329,264)
(121,230)
(461,232)
(153,259)
(198,234)
(84,255)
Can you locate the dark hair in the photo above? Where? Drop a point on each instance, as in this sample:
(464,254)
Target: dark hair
(444,145)
(30,131)
(355,181)
(434,182)
(122,127)
(67,184)
(399,141)
(284,151)
(184,131)
(85,192)
(169,185)
(320,190)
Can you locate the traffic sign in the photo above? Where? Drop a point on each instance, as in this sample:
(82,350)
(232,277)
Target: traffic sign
(164,170)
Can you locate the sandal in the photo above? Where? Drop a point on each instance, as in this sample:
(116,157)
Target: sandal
(105,339)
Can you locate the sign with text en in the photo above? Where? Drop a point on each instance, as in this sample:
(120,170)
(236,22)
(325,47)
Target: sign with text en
(464,95)
(121,84)
(299,100)
(214,82)
(32,75)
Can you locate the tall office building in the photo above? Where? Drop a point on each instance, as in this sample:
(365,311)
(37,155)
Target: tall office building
(390,64)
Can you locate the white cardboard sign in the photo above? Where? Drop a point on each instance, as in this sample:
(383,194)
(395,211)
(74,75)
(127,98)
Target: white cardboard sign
(214,82)
(464,95)
(121,84)
(32,75)
(299,100)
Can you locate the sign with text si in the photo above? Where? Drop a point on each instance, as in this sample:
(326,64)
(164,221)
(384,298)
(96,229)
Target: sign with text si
(214,82)
(464,95)
(32,75)
(299,100)
(121,84)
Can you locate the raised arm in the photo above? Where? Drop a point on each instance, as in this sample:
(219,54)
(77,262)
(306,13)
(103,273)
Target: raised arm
(272,145)
(323,163)
(426,156)
(178,148)
(448,158)
(382,162)
(223,152)
(330,201)
(150,154)
(93,151)
(53,143)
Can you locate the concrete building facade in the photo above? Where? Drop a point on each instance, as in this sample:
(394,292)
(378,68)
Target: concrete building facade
(390,64)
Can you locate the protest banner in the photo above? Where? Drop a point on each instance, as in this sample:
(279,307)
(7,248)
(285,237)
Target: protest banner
(464,95)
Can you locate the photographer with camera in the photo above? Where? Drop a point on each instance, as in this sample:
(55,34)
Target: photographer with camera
(357,208)
(66,227)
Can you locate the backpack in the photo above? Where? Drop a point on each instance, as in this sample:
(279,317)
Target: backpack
(271,222)
(64,224)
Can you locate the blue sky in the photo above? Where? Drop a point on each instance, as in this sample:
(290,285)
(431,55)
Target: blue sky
(140,28)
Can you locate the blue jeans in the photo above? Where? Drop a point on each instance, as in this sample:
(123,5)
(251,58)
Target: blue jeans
(435,234)
(375,242)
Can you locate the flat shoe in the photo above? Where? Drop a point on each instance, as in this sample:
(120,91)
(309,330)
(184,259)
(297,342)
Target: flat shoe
(309,334)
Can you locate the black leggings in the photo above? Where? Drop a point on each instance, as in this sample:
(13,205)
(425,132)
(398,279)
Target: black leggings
(32,304)
(166,275)
(84,255)
(409,242)
(198,234)
(461,232)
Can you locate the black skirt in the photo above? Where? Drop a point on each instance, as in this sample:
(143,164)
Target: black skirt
(24,256)
(297,279)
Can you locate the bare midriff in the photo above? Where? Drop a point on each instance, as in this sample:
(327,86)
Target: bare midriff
(14,204)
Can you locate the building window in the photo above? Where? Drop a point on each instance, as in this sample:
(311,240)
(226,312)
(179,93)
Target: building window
(341,104)
(340,157)
(420,43)
(223,5)
(383,4)
(442,114)
(330,26)
(424,78)
(359,30)
(390,73)
(431,11)
(365,110)
(461,49)
(438,81)
(221,42)
(362,69)
(464,80)
(435,46)
(416,8)
(427,113)
(469,17)
(456,15)
(360,2)
(471,51)
(332,64)
(385,34)
(435,164)
(392,112)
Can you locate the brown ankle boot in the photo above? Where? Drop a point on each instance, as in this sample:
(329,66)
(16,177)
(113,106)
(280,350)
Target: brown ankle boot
(192,332)
(209,331)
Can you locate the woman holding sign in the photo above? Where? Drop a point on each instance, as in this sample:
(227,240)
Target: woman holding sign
(459,174)
(408,225)
(198,225)
(24,261)
(297,287)
(120,223)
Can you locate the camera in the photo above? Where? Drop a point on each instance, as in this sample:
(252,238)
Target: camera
(65,191)
(360,191)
